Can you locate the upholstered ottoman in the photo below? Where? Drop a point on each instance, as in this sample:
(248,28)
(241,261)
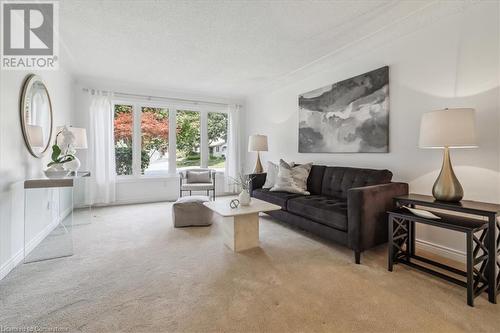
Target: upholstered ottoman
(190,211)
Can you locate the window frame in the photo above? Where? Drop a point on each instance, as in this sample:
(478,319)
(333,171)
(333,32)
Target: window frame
(137,105)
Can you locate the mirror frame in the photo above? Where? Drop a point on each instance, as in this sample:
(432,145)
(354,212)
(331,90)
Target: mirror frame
(28,83)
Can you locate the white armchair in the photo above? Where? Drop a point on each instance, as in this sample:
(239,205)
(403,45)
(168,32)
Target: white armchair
(197,180)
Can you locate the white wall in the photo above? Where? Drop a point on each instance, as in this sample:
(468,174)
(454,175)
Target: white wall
(140,189)
(428,56)
(16,164)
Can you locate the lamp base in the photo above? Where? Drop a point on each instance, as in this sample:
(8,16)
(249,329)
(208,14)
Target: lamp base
(447,187)
(258,165)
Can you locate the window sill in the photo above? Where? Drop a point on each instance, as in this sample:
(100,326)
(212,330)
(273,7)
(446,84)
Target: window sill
(152,178)
(140,179)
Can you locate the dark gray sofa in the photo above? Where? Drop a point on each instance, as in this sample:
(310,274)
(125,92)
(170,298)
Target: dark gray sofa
(346,205)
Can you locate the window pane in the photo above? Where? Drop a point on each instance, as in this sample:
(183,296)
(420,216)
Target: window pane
(154,143)
(123,127)
(188,139)
(217,140)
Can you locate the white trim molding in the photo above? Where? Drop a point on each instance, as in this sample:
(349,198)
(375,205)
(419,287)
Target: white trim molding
(440,250)
(10,264)
(18,258)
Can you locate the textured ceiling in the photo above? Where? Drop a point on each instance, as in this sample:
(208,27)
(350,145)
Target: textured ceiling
(226,48)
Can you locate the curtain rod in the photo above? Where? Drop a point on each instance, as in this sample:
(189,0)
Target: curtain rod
(150,98)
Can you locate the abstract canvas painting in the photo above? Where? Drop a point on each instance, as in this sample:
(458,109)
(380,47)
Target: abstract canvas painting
(350,116)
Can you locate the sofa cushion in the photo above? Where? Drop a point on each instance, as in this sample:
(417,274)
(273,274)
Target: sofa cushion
(315,179)
(338,180)
(326,210)
(277,198)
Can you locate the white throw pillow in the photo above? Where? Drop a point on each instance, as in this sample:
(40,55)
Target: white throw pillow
(272,173)
(285,181)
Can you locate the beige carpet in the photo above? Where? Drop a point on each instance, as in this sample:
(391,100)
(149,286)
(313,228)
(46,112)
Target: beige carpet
(133,272)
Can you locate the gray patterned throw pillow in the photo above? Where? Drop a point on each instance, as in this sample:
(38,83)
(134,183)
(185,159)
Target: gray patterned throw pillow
(300,173)
(286,182)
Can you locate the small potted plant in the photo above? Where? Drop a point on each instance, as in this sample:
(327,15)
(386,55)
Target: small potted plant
(55,168)
(244,182)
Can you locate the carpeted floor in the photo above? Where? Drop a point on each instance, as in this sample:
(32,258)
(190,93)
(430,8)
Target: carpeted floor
(133,272)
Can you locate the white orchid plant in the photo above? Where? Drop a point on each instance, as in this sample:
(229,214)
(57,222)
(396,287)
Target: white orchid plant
(58,155)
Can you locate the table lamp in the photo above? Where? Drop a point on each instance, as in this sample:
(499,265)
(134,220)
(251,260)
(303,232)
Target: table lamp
(257,143)
(445,129)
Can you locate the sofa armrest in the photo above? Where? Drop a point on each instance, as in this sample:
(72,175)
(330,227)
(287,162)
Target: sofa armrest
(367,213)
(257,181)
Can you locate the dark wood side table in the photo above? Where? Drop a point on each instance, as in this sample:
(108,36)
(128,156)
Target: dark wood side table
(482,251)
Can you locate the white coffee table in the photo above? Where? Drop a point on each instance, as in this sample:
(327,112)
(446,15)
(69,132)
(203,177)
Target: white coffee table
(240,225)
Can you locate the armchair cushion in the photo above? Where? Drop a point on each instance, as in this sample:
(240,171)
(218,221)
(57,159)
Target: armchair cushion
(326,210)
(197,187)
(195,176)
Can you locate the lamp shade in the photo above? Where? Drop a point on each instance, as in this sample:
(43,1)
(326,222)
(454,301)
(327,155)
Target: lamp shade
(452,128)
(257,142)
(80,136)
(35,136)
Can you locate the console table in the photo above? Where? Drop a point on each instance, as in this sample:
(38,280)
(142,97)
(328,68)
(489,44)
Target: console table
(482,238)
(48,217)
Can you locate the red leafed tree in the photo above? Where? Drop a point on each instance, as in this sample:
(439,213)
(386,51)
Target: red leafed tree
(154,128)
(123,127)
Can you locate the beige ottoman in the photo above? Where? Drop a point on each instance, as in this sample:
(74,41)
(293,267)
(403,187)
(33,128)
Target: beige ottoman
(190,211)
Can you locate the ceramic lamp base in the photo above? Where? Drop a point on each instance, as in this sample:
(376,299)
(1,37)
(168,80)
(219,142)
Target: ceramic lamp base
(447,187)
(258,165)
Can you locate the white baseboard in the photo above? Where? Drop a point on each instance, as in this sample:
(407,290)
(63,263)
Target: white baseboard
(441,250)
(32,244)
(11,264)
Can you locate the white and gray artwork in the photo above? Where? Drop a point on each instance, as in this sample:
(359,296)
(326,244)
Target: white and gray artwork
(350,116)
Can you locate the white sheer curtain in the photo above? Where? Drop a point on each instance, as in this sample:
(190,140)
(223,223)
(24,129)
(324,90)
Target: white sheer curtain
(233,162)
(101,154)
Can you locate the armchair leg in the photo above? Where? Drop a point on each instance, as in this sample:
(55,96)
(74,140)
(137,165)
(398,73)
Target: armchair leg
(357,257)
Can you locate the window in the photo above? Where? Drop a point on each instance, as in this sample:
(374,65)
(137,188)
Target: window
(123,130)
(188,153)
(217,140)
(154,140)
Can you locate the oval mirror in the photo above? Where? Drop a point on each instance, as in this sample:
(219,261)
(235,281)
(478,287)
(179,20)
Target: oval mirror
(36,116)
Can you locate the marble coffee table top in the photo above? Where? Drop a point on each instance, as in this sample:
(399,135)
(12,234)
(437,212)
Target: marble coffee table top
(221,207)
